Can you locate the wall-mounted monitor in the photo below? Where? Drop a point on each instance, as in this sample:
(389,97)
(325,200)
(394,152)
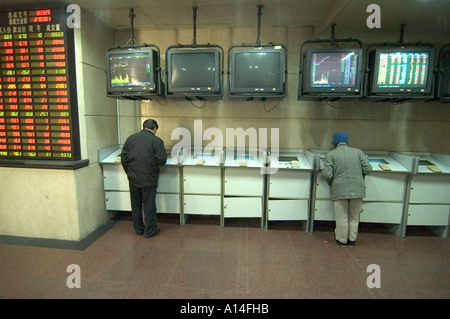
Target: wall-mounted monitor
(401,71)
(194,71)
(257,71)
(132,72)
(444,76)
(331,71)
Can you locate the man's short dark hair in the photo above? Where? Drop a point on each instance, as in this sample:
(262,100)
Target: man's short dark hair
(150,124)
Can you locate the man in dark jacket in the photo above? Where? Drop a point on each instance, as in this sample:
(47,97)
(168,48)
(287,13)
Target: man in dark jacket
(142,155)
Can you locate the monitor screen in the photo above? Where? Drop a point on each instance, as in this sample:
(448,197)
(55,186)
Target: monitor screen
(333,71)
(131,71)
(287,158)
(193,71)
(243,157)
(257,71)
(425,162)
(402,70)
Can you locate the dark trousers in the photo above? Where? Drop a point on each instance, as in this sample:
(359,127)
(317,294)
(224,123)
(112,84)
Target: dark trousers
(143,197)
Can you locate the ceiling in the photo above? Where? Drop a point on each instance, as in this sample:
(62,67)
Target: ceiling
(427,18)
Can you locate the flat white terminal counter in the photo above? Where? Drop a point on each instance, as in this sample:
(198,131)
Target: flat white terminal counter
(244,183)
(404,190)
(201,183)
(289,186)
(429,193)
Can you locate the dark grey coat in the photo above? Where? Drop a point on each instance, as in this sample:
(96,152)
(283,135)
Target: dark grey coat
(142,155)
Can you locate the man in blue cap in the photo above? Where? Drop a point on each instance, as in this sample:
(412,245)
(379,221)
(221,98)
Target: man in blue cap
(344,169)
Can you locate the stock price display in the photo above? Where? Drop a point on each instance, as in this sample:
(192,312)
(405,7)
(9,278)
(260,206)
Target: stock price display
(38,115)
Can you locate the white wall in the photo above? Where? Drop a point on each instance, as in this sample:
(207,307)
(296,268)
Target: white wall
(415,126)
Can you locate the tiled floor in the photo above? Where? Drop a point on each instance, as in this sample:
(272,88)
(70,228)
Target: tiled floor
(202,260)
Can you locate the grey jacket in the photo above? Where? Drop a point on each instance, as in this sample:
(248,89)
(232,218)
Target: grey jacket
(344,169)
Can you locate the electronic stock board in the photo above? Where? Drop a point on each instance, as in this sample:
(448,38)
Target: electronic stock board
(38,102)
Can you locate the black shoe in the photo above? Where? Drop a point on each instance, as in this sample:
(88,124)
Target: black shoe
(152,233)
(139,232)
(351,243)
(338,242)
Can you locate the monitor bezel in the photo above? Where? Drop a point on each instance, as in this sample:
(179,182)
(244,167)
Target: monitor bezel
(305,77)
(193,90)
(440,74)
(374,67)
(133,90)
(257,91)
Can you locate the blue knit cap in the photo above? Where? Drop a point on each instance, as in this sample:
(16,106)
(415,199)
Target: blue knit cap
(339,137)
